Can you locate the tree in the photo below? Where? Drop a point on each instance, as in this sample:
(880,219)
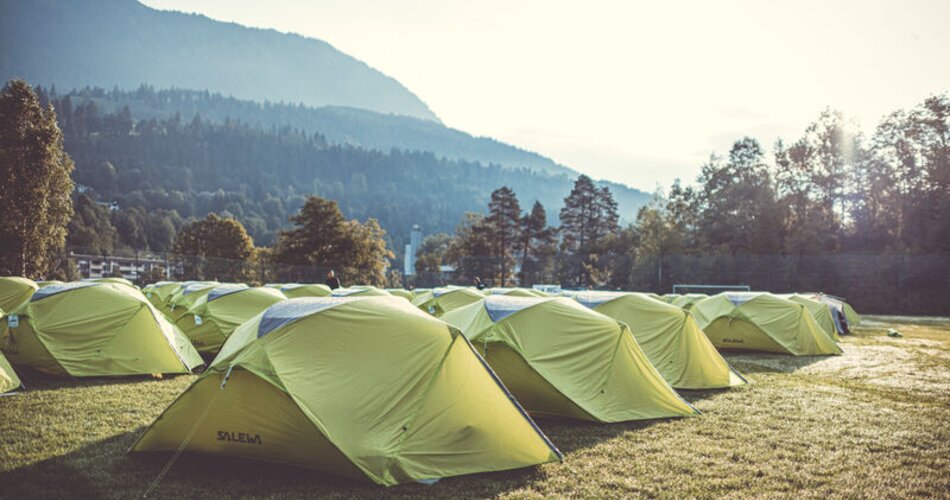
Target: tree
(738,211)
(589,214)
(537,244)
(215,248)
(323,239)
(470,249)
(91,229)
(35,199)
(432,253)
(504,226)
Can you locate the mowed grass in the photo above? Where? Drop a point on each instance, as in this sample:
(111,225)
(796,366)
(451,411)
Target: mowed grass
(873,422)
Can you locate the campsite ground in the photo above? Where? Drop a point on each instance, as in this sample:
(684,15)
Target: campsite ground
(873,422)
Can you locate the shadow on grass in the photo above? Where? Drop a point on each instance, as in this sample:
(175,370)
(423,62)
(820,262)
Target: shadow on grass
(104,469)
(763,362)
(573,435)
(35,381)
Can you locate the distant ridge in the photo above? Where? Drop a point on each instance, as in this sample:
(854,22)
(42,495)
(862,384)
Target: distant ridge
(78,43)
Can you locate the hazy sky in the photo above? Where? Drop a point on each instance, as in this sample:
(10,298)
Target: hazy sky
(638,92)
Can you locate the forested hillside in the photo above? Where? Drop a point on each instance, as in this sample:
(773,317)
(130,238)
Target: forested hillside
(340,125)
(75,43)
(192,166)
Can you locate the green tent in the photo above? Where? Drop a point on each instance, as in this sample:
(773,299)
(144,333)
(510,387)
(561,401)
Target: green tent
(212,319)
(761,321)
(844,315)
(516,292)
(299,290)
(88,329)
(687,301)
(121,281)
(360,291)
(362,387)
(8,379)
(43,283)
(15,291)
(442,300)
(158,293)
(400,292)
(185,296)
(819,311)
(561,359)
(670,338)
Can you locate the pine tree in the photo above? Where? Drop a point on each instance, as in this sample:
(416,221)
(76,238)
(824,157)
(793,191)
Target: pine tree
(35,198)
(504,224)
(537,239)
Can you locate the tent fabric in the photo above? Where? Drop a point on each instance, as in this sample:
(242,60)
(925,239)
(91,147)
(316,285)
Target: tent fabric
(362,387)
(186,296)
(761,322)
(96,329)
(440,301)
(43,283)
(298,290)
(820,312)
(158,293)
(561,359)
(670,338)
(687,301)
(368,291)
(212,319)
(15,291)
(400,292)
(121,281)
(8,378)
(517,292)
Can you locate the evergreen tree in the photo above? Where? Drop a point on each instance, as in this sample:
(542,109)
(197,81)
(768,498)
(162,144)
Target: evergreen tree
(537,244)
(35,199)
(589,214)
(504,226)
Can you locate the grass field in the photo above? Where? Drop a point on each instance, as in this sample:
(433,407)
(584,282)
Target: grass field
(873,422)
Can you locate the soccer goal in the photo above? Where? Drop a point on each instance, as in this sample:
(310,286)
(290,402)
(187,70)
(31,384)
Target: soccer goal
(710,289)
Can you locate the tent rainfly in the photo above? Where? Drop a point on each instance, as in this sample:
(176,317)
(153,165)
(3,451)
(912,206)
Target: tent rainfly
(670,338)
(365,387)
(360,291)
(186,296)
(760,321)
(298,290)
(8,379)
(561,359)
(89,329)
(15,291)
(212,319)
(442,300)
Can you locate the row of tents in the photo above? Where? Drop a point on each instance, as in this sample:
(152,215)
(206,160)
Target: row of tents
(392,385)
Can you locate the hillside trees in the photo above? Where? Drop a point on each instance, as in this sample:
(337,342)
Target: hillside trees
(503,226)
(35,170)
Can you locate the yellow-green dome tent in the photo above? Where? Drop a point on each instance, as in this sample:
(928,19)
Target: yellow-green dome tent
(844,315)
(819,311)
(89,329)
(361,387)
(212,319)
(761,321)
(442,300)
(516,292)
(400,292)
(360,291)
(43,283)
(561,359)
(8,379)
(687,301)
(121,281)
(15,291)
(158,293)
(670,338)
(299,290)
(185,296)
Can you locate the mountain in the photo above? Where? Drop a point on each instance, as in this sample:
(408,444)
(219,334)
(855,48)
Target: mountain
(339,125)
(78,43)
(189,167)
